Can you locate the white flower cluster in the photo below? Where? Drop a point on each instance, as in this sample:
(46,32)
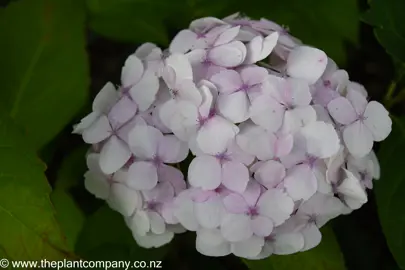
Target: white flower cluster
(281,140)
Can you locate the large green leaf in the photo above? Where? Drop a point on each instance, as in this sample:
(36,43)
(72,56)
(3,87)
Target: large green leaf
(43,68)
(105,236)
(68,214)
(388,18)
(28,228)
(129,20)
(326,256)
(390,190)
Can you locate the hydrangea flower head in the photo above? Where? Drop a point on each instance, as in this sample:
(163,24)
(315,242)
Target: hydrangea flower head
(274,151)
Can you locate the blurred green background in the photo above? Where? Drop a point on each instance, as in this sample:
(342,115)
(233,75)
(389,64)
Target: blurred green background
(55,55)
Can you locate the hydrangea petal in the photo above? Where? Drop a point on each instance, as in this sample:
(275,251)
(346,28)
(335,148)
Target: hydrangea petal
(377,121)
(275,204)
(114,154)
(358,139)
(235,176)
(234,106)
(236,227)
(205,172)
(142,175)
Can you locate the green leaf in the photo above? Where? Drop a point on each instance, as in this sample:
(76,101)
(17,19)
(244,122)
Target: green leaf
(129,20)
(390,189)
(44,67)
(28,229)
(69,216)
(326,256)
(388,18)
(105,236)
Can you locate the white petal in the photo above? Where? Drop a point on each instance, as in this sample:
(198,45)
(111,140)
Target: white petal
(236,227)
(306,63)
(288,243)
(144,141)
(183,41)
(378,121)
(211,243)
(105,99)
(215,135)
(114,155)
(209,214)
(276,205)
(151,240)
(312,237)
(124,199)
(184,211)
(144,92)
(139,223)
(234,106)
(97,184)
(98,131)
(132,71)
(172,150)
(157,223)
(248,248)
(142,175)
(342,110)
(352,191)
(321,138)
(228,55)
(358,139)
(262,226)
(300,182)
(205,172)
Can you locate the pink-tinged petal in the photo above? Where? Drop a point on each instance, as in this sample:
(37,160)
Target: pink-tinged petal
(184,211)
(114,155)
(334,166)
(253,74)
(235,153)
(183,41)
(209,213)
(200,195)
(297,118)
(306,63)
(342,110)
(144,92)
(270,174)
(256,141)
(227,81)
(358,101)
(312,237)
(173,176)
(378,121)
(228,55)
(283,145)
(122,112)
(267,113)
(97,184)
(167,212)
(236,227)
(235,176)
(124,200)
(300,182)
(132,71)
(202,24)
(249,248)
(142,175)
(358,139)
(234,106)
(211,243)
(288,243)
(252,193)
(235,203)
(227,36)
(105,99)
(145,49)
(215,135)
(321,139)
(276,205)
(144,141)
(262,226)
(98,131)
(172,150)
(208,99)
(205,172)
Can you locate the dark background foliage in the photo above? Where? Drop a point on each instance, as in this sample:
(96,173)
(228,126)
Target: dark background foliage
(57,54)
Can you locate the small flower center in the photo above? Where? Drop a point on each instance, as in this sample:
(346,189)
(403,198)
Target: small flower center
(252,211)
(312,219)
(203,120)
(244,88)
(157,161)
(152,205)
(223,157)
(311,160)
(327,83)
